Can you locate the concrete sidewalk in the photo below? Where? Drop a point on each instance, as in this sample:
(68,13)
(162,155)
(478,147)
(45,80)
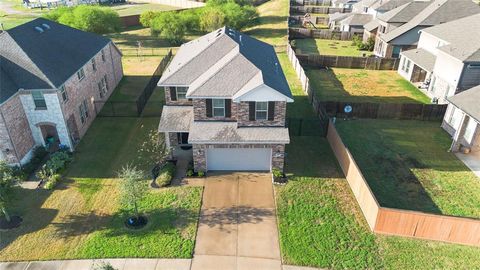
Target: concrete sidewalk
(119,264)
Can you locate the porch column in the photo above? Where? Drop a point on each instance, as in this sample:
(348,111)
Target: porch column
(167,140)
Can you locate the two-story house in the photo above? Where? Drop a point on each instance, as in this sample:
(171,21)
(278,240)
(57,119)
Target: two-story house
(53,80)
(447,60)
(226,95)
(392,40)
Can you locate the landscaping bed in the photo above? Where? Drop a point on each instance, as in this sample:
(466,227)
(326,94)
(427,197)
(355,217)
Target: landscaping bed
(407,165)
(359,85)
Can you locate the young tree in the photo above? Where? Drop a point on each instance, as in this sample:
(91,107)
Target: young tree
(169,25)
(7,182)
(133,186)
(212,18)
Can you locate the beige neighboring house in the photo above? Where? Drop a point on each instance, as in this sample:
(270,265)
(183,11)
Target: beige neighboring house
(462,121)
(376,7)
(50,77)
(347,4)
(447,60)
(354,23)
(394,40)
(226,96)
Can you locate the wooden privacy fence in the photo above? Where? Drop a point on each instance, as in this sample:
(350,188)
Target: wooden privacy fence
(310,3)
(404,111)
(298,19)
(317,9)
(299,33)
(399,222)
(369,62)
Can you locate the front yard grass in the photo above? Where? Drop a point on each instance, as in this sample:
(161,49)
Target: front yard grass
(359,85)
(408,166)
(83,218)
(328,47)
(320,223)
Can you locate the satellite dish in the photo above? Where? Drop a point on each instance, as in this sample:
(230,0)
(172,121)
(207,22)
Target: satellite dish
(348,109)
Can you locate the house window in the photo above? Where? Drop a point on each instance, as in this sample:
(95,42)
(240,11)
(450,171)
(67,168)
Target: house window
(102,86)
(83,109)
(103,56)
(181,92)
(39,100)
(94,65)
(456,118)
(406,65)
(218,107)
(261,110)
(63,92)
(80,74)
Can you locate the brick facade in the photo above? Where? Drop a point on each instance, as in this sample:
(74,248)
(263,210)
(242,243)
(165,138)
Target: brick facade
(87,88)
(200,153)
(168,99)
(200,111)
(15,137)
(280,112)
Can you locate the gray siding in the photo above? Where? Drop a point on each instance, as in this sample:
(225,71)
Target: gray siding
(470,76)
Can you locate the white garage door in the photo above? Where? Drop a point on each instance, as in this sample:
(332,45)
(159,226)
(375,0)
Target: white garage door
(235,159)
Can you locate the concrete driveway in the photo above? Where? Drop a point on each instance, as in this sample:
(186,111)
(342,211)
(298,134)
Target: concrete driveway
(238,227)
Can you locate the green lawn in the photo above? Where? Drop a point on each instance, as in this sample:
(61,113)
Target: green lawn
(10,21)
(139,8)
(408,166)
(359,85)
(328,47)
(320,223)
(272,23)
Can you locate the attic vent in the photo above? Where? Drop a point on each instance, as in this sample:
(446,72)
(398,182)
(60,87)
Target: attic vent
(46,26)
(39,29)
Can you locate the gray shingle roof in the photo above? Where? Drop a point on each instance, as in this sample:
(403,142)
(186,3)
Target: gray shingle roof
(176,119)
(403,13)
(337,16)
(437,12)
(462,35)
(421,58)
(227,132)
(224,53)
(467,101)
(357,19)
(58,52)
(384,6)
(372,25)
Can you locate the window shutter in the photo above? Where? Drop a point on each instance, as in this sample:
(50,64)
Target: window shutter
(209,107)
(271,110)
(251,111)
(228,108)
(173,93)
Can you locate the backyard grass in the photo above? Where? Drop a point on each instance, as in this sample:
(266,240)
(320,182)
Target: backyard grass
(328,47)
(320,223)
(272,23)
(12,20)
(408,166)
(359,85)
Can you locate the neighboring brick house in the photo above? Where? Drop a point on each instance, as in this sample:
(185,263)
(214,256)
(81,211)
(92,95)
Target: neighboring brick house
(227,96)
(396,36)
(447,61)
(51,75)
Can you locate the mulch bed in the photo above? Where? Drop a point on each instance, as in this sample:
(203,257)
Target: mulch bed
(15,222)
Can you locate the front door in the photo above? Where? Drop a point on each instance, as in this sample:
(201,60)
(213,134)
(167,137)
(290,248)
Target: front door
(182,138)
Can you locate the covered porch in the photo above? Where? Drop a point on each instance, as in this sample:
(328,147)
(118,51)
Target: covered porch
(417,66)
(175,125)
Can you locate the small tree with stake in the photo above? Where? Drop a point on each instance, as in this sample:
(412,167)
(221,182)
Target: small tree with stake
(134,188)
(7,182)
(154,152)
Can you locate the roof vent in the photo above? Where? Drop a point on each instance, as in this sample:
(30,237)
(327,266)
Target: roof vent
(39,29)
(46,26)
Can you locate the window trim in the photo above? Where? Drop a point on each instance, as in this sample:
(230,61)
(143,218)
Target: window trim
(257,110)
(80,74)
(218,107)
(42,101)
(64,94)
(176,92)
(83,111)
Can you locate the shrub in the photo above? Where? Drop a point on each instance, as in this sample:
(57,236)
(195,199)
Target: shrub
(357,41)
(52,181)
(201,173)
(38,155)
(169,25)
(166,175)
(7,182)
(277,173)
(147,17)
(190,172)
(212,18)
(94,19)
(58,161)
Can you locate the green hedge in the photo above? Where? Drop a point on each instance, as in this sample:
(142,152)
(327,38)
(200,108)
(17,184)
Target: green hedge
(166,174)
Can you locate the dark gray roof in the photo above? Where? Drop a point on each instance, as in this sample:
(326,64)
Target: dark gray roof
(228,55)
(404,13)
(384,6)
(421,57)
(176,119)
(467,101)
(357,19)
(437,12)
(59,51)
